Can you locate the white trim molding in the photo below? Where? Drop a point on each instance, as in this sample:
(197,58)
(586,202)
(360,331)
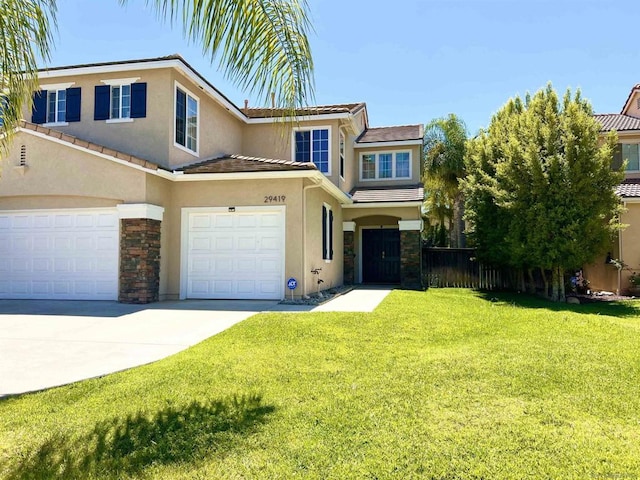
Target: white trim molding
(57,86)
(405,225)
(348,226)
(397,143)
(120,81)
(140,210)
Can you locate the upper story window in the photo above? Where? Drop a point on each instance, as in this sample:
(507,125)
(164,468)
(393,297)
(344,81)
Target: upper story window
(186,119)
(120,100)
(341,149)
(630,154)
(312,145)
(56,105)
(385,165)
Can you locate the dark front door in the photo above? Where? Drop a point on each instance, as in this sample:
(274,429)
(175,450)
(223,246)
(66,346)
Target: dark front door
(381,255)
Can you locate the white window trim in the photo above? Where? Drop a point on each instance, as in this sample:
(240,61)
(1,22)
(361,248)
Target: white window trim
(327,241)
(310,129)
(342,155)
(197,99)
(57,86)
(393,166)
(52,89)
(119,82)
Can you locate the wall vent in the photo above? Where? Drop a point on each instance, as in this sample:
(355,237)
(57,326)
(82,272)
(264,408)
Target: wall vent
(23,156)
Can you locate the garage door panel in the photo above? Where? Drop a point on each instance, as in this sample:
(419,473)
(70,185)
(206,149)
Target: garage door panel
(246,257)
(59,255)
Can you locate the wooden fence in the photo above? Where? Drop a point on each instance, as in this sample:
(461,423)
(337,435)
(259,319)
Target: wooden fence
(457,267)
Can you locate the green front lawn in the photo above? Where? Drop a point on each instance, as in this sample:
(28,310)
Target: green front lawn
(446,384)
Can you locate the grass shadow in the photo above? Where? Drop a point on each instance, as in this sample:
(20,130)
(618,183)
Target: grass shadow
(611,308)
(126,446)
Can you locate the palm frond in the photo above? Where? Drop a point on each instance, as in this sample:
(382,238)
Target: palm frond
(26,27)
(259,45)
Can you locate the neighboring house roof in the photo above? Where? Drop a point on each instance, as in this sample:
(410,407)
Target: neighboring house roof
(89,145)
(617,121)
(391,134)
(629,188)
(404,193)
(626,103)
(352,108)
(240,163)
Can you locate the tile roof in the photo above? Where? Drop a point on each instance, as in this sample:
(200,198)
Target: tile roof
(629,188)
(311,110)
(617,121)
(241,163)
(70,139)
(402,193)
(391,134)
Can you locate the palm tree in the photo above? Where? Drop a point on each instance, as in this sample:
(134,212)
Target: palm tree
(444,150)
(260,45)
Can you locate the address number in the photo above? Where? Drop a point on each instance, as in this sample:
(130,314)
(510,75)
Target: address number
(274,198)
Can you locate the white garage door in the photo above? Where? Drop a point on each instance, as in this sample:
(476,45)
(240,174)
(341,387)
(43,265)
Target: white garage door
(235,255)
(59,254)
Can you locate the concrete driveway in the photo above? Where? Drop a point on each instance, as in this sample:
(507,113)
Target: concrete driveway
(45,343)
(49,343)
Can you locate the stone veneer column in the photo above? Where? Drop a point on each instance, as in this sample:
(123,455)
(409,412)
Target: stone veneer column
(139,253)
(349,269)
(410,254)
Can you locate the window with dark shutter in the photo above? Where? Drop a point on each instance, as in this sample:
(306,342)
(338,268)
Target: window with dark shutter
(138,100)
(330,235)
(101,102)
(324,232)
(39,110)
(74,98)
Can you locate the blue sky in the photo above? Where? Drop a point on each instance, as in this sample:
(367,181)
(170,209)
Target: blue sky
(410,60)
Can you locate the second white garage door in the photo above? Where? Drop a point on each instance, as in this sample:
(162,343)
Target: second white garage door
(234,254)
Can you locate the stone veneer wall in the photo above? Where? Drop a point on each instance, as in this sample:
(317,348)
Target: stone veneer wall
(410,259)
(139,260)
(349,258)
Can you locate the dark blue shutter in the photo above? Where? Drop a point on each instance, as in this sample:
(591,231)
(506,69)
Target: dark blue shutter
(39,111)
(324,232)
(138,100)
(73,104)
(101,102)
(330,234)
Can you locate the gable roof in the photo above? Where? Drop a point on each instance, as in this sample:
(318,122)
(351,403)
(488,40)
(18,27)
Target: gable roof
(70,139)
(391,134)
(241,163)
(402,193)
(176,61)
(617,121)
(351,108)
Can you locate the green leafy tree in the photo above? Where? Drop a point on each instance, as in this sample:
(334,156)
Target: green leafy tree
(260,45)
(540,187)
(444,151)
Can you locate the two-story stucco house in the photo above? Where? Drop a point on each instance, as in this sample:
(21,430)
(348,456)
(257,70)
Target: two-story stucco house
(603,275)
(140,181)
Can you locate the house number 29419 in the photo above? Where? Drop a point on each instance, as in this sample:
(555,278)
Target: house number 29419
(274,198)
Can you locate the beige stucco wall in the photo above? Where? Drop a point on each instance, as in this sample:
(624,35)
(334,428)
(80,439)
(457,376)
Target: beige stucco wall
(274,140)
(152,137)
(58,176)
(239,193)
(143,137)
(368,216)
(220,133)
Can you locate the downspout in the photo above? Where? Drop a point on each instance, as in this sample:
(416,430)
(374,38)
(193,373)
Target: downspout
(624,204)
(315,184)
